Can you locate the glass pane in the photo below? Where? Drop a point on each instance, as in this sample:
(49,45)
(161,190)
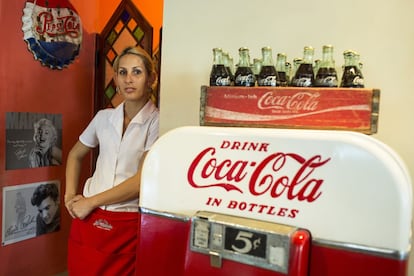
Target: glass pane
(125,16)
(132,24)
(139,34)
(110,92)
(112,37)
(111,56)
(119,26)
(125,39)
(109,73)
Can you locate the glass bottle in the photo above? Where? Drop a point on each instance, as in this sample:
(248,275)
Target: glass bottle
(244,75)
(352,75)
(296,62)
(257,65)
(283,78)
(326,74)
(304,76)
(228,64)
(219,75)
(231,65)
(288,67)
(267,75)
(316,65)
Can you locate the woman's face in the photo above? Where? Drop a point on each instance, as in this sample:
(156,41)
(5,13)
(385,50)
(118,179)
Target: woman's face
(132,78)
(44,137)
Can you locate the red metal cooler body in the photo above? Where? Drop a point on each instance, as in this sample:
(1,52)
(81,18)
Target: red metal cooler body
(247,201)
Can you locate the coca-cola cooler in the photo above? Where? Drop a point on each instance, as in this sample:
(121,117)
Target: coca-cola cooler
(261,201)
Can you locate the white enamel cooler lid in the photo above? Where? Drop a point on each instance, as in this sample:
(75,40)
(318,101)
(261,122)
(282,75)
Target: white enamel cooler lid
(342,186)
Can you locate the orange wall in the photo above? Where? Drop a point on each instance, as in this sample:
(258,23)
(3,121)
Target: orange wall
(95,14)
(27,86)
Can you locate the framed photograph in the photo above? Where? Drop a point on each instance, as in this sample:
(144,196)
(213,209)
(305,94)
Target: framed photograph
(30,210)
(33,140)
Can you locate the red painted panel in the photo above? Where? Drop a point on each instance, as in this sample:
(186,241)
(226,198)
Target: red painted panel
(162,246)
(327,261)
(164,250)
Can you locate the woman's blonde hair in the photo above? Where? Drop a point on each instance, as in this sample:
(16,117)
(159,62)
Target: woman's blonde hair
(146,58)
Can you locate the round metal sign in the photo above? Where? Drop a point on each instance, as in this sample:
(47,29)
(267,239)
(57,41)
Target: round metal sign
(53,32)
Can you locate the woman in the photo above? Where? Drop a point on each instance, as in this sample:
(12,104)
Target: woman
(105,224)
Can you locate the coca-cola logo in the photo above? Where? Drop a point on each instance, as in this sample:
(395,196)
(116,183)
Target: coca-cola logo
(302,82)
(285,175)
(53,26)
(327,81)
(245,79)
(268,81)
(301,101)
(358,81)
(223,81)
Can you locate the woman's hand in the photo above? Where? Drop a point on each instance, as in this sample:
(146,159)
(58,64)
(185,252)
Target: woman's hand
(68,204)
(78,206)
(81,206)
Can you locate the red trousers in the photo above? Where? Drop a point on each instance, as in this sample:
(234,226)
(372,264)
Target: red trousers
(104,243)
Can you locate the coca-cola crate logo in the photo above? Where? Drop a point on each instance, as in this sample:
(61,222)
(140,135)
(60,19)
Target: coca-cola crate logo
(53,32)
(254,170)
(302,101)
(309,107)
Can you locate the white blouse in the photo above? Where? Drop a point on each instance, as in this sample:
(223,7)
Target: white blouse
(119,156)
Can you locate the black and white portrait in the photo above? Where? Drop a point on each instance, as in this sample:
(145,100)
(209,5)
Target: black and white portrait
(30,210)
(33,140)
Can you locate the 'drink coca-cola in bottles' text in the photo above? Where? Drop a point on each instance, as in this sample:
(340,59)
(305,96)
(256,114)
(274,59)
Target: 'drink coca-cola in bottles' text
(287,176)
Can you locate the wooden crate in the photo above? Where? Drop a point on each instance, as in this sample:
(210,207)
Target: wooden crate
(354,109)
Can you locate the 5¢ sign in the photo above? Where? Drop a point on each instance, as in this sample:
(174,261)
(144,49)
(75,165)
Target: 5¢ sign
(245,242)
(256,243)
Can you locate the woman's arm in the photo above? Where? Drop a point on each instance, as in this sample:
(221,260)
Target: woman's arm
(73,171)
(127,190)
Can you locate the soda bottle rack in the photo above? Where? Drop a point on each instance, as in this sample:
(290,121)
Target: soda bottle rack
(353,109)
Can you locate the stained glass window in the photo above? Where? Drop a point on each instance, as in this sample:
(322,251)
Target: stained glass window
(126,28)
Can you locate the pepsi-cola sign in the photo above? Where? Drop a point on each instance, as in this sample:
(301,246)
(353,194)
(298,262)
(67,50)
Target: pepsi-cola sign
(53,32)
